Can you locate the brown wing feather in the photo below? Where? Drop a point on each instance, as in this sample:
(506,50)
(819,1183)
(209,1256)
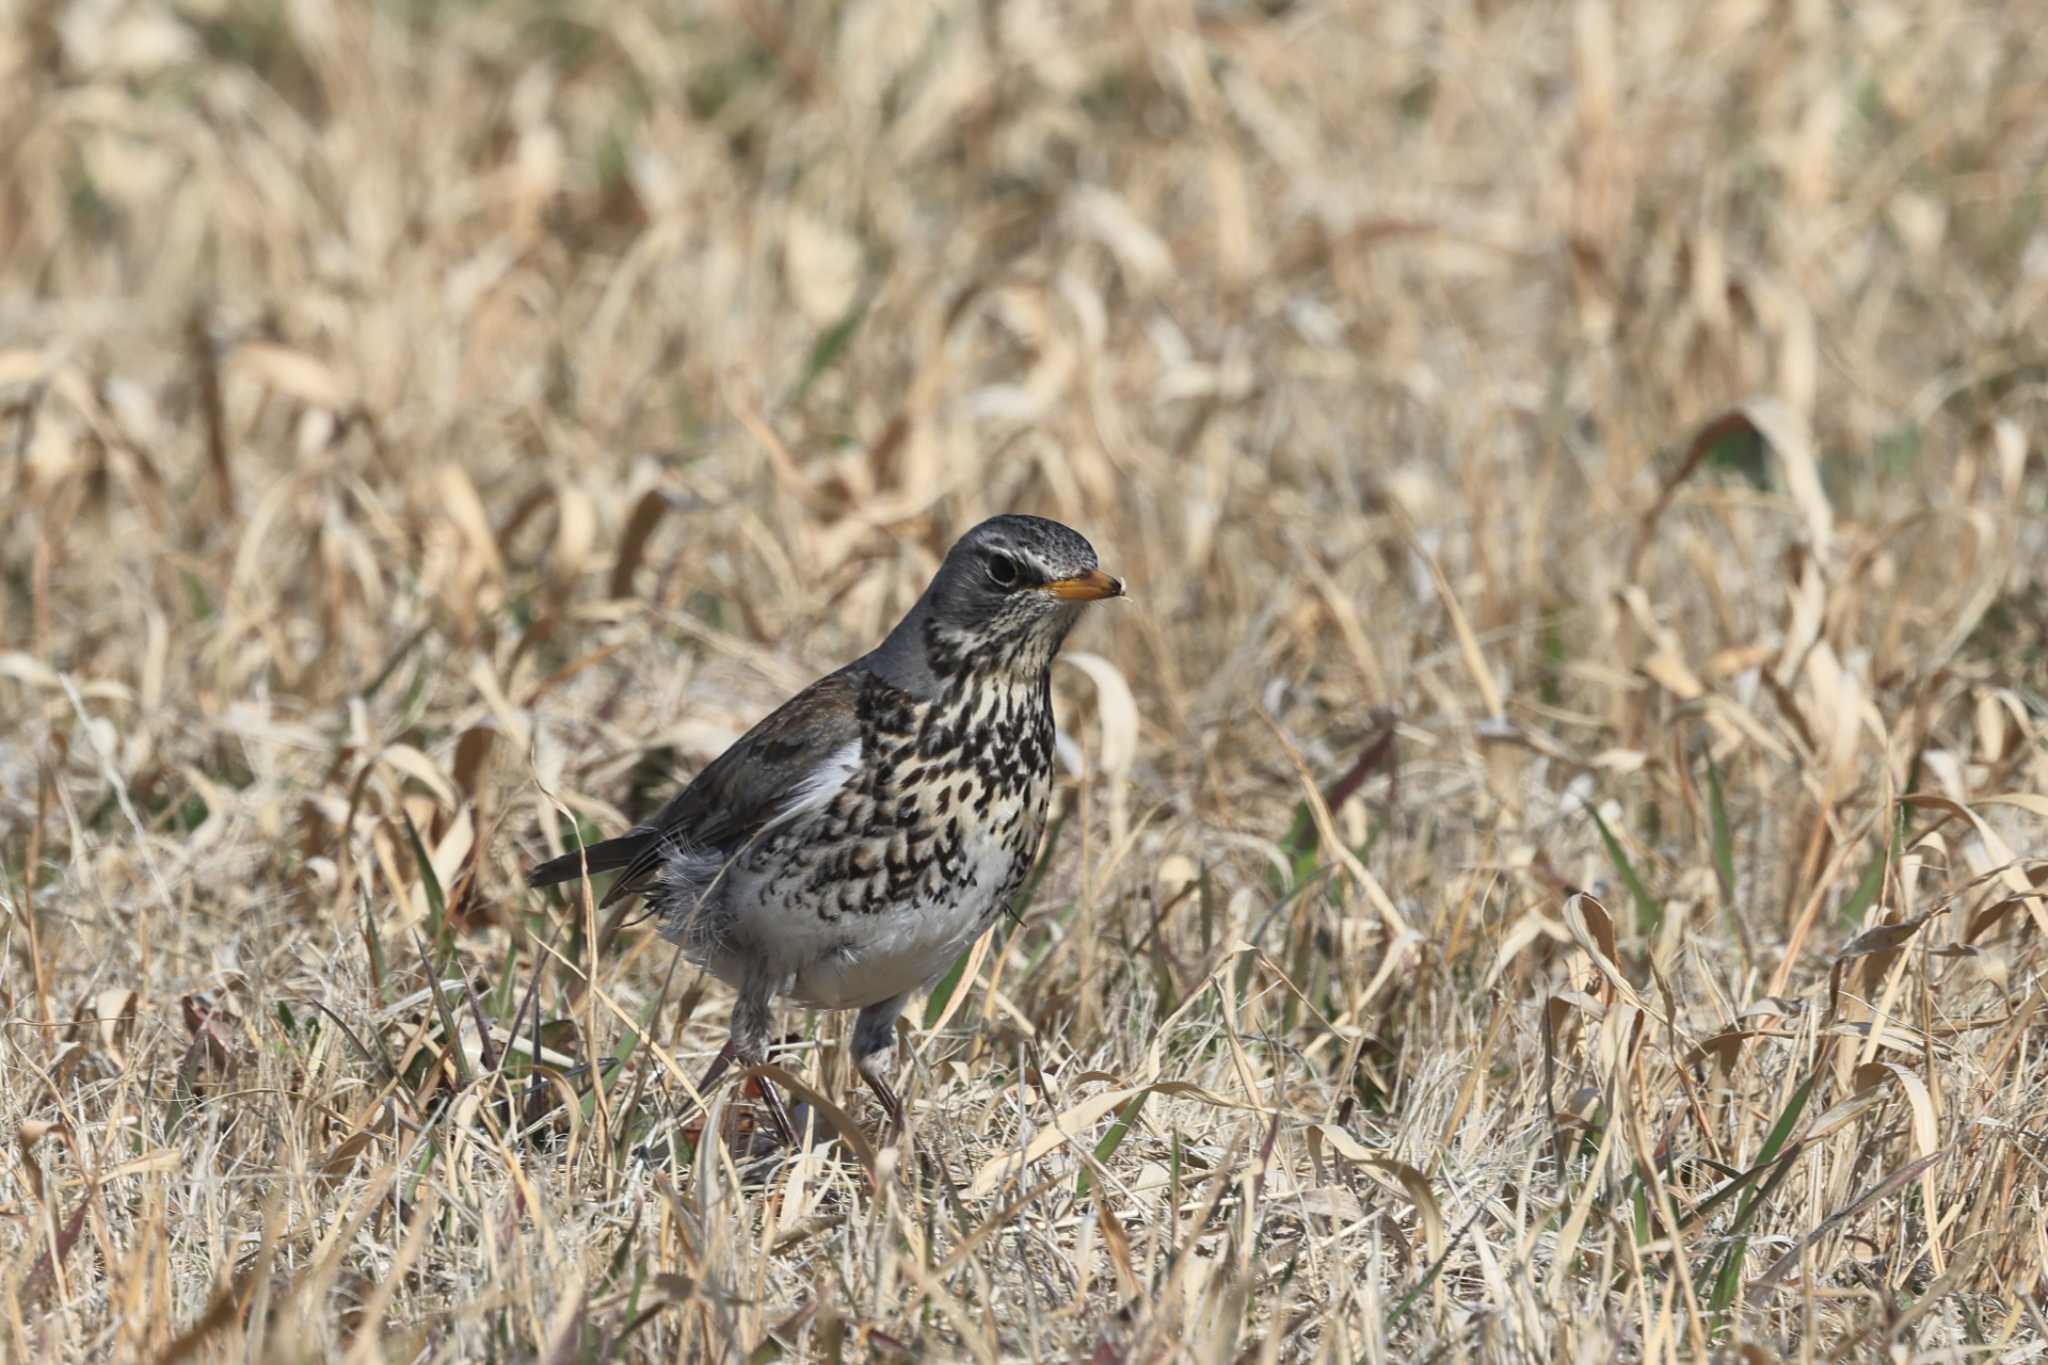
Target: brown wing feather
(735,795)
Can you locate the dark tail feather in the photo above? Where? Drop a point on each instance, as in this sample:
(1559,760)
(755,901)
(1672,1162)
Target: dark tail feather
(608,856)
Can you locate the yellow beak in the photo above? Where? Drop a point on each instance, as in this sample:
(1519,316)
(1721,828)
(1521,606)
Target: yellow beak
(1092,586)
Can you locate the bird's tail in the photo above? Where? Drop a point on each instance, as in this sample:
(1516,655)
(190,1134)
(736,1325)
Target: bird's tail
(608,856)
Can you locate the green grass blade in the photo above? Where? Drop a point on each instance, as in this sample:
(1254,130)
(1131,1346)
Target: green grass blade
(373,944)
(1207,894)
(1112,1139)
(1649,910)
(450,1039)
(621,1051)
(1300,844)
(1773,1142)
(1869,886)
(831,343)
(1728,1279)
(430,1150)
(1724,841)
(437,905)
(935,1003)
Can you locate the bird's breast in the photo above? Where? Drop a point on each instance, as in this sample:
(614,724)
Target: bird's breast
(956,804)
(899,907)
(923,845)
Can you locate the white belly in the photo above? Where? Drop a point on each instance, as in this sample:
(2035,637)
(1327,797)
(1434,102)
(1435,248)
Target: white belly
(867,958)
(903,953)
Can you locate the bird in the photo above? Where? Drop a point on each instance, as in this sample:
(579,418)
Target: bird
(845,851)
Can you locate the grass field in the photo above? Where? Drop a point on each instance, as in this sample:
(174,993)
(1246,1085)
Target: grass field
(1550,866)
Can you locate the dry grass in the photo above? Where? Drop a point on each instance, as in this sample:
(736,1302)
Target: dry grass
(1555,450)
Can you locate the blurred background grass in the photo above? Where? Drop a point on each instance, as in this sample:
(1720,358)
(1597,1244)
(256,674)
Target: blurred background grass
(1555,448)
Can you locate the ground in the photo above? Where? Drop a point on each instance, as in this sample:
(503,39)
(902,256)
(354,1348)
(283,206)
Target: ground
(1547,865)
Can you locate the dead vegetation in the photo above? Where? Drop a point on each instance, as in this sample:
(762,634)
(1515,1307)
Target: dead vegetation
(1550,865)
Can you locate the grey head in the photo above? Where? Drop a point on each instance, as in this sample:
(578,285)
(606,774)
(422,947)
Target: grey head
(999,606)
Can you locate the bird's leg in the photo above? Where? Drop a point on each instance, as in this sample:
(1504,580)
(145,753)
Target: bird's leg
(752,1016)
(874,1038)
(718,1066)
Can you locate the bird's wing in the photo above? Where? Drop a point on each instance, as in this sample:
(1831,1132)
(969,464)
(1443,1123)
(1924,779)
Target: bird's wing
(796,758)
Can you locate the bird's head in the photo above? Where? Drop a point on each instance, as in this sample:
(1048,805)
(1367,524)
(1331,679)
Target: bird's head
(1005,598)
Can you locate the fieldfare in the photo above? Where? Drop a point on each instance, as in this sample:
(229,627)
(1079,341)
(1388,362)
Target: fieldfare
(843,852)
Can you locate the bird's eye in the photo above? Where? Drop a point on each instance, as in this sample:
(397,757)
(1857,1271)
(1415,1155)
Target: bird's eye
(1002,571)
